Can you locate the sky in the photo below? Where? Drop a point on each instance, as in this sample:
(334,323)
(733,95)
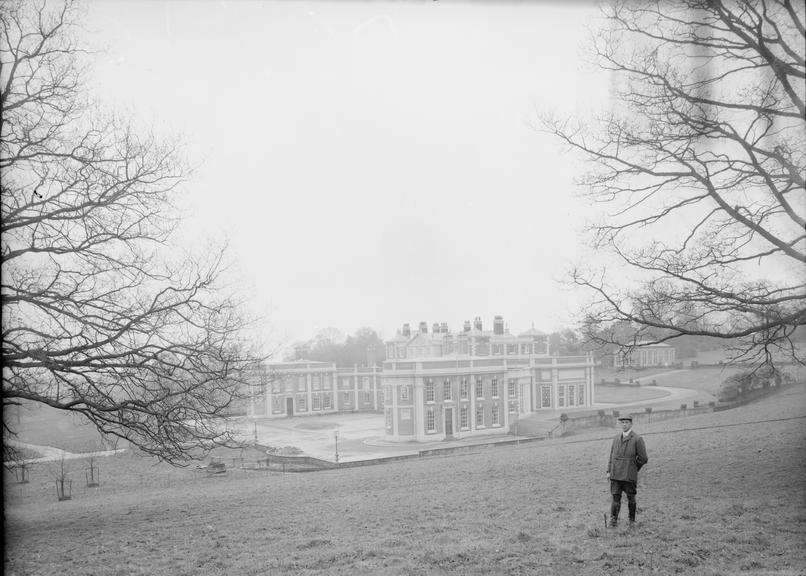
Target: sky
(368,163)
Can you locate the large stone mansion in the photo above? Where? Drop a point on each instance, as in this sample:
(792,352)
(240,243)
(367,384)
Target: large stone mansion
(438,384)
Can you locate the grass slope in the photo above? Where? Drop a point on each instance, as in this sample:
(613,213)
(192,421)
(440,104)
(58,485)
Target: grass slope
(724,493)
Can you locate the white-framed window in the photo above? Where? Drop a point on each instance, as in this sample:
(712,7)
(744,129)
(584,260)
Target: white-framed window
(494,388)
(388,419)
(326,402)
(429,390)
(495,415)
(479,416)
(276,404)
(301,383)
(404,392)
(446,389)
(581,393)
(571,395)
(316,402)
(463,389)
(345,398)
(315,381)
(301,403)
(512,389)
(463,417)
(561,396)
(326,382)
(430,420)
(367,396)
(479,388)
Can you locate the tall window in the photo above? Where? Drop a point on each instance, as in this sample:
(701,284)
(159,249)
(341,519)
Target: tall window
(581,393)
(511,388)
(316,402)
(545,395)
(404,392)
(388,413)
(494,388)
(326,402)
(463,417)
(367,396)
(346,397)
(429,391)
(479,388)
(446,389)
(463,389)
(495,414)
(479,415)
(560,396)
(430,421)
(301,407)
(571,395)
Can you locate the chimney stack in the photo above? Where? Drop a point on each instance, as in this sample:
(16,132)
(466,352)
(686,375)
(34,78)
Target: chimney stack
(477,324)
(467,326)
(424,327)
(498,325)
(407,330)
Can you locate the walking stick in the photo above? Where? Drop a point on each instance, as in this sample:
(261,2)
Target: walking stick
(605,520)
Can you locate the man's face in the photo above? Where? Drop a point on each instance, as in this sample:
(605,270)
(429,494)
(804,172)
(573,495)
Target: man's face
(625,425)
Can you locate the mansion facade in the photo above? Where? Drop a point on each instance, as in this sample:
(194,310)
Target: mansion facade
(306,387)
(436,385)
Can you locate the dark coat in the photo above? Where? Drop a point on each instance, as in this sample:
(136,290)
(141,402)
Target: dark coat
(627,457)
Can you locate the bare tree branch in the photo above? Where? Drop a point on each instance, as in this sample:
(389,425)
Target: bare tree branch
(702,164)
(99,317)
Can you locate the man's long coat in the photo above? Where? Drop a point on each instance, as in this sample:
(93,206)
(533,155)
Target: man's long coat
(627,456)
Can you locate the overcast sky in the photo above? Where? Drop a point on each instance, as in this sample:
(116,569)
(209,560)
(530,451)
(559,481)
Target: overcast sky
(369,163)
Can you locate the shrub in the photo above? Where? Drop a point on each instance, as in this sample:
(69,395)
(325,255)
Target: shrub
(683,406)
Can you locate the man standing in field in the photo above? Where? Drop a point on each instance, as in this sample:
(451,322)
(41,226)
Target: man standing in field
(627,457)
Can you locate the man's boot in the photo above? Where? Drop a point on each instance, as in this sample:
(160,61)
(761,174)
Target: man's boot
(632,507)
(615,506)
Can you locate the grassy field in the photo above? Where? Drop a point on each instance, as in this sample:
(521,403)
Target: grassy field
(724,493)
(42,425)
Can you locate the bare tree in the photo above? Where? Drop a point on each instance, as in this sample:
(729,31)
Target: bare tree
(701,166)
(101,316)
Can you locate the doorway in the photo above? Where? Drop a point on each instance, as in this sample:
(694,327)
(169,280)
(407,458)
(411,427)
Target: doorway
(448,423)
(289,407)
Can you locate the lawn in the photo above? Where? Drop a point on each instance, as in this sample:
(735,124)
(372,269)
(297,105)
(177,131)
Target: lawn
(724,493)
(612,394)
